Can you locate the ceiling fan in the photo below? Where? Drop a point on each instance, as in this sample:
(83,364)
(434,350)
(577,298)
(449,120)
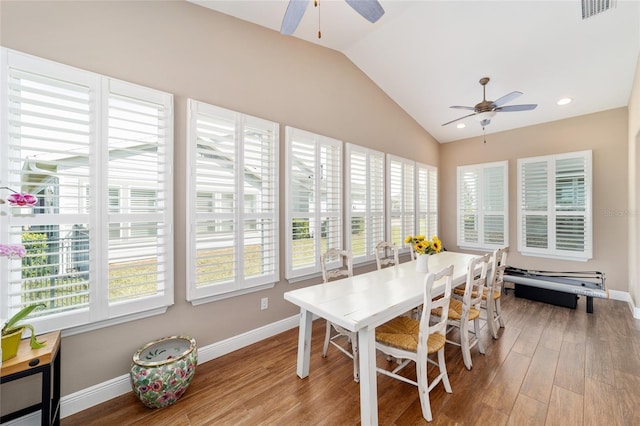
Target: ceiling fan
(485,110)
(368,9)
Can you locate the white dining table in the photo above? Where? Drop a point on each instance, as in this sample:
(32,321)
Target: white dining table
(363,302)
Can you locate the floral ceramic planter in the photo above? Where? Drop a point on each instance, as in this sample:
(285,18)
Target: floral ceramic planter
(162,370)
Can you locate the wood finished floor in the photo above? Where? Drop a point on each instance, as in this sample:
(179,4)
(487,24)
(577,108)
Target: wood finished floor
(551,366)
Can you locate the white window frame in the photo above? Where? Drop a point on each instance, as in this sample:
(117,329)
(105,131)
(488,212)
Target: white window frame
(369,183)
(551,213)
(480,210)
(318,210)
(99,311)
(238,212)
(401,200)
(426,200)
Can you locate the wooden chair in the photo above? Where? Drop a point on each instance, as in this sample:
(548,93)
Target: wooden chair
(491,305)
(345,269)
(464,309)
(493,294)
(406,340)
(386,254)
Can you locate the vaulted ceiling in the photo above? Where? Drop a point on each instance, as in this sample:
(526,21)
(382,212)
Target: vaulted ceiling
(429,55)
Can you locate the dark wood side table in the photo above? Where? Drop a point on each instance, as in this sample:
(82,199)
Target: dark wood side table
(34,361)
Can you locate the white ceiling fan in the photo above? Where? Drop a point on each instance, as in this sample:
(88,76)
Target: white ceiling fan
(486,110)
(371,10)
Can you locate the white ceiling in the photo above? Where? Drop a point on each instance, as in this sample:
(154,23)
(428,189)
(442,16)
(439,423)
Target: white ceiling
(428,55)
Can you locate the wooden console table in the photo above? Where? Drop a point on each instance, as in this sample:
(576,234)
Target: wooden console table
(34,361)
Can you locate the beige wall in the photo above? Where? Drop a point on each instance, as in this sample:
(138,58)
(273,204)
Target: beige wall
(634,188)
(194,52)
(606,134)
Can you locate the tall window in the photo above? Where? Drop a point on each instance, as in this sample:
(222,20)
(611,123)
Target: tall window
(365,201)
(427,199)
(554,206)
(313,200)
(400,199)
(232,203)
(483,205)
(97,153)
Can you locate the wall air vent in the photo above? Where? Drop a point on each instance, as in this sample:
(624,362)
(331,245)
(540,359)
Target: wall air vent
(594,7)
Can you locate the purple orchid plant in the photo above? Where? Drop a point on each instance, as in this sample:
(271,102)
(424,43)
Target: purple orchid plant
(19,199)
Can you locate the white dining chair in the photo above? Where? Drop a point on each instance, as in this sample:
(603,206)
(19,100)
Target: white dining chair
(466,308)
(493,294)
(343,261)
(386,254)
(407,340)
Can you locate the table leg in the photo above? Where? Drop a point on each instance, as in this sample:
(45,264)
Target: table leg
(368,377)
(304,343)
(46,396)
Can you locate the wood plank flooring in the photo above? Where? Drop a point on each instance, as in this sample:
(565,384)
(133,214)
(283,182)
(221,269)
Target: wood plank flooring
(551,366)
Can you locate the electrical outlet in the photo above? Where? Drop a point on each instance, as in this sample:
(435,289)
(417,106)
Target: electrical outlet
(264,303)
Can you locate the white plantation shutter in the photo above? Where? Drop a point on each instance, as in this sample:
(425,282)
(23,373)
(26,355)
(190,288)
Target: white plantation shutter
(365,201)
(427,202)
(232,204)
(555,218)
(483,205)
(468,206)
(494,205)
(534,205)
(400,199)
(139,163)
(74,139)
(313,200)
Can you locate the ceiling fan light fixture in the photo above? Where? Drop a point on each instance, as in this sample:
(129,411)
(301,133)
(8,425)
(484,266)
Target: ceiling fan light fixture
(487,115)
(564,101)
(461,126)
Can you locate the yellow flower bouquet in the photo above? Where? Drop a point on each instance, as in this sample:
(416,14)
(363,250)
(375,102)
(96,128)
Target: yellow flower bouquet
(421,245)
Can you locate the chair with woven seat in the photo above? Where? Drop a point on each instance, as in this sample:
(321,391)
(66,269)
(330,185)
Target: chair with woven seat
(495,282)
(344,261)
(405,340)
(386,254)
(466,308)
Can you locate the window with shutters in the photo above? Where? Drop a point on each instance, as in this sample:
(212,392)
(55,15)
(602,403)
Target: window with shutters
(232,203)
(483,205)
(313,200)
(97,153)
(365,197)
(554,206)
(401,200)
(427,200)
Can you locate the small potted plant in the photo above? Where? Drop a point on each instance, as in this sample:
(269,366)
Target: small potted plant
(12,332)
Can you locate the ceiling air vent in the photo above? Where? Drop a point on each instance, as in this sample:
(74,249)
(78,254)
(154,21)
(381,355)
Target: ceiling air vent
(593,7)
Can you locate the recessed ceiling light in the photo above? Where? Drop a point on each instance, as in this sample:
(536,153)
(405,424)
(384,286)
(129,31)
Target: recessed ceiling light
(461,126)
(564,101)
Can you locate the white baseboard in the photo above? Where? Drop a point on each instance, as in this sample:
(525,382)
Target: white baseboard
(102,392)
(626,297)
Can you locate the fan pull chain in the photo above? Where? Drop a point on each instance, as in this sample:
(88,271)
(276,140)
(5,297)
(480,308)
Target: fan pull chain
(316,3)
(484,136)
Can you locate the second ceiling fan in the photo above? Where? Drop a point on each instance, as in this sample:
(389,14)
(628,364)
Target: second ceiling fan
(370,10)
(485,110)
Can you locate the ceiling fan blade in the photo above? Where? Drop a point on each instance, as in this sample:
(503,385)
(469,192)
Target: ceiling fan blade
(510,108)
(462,107)
(369,9)
(293,15)
(506,98)
(458,119)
